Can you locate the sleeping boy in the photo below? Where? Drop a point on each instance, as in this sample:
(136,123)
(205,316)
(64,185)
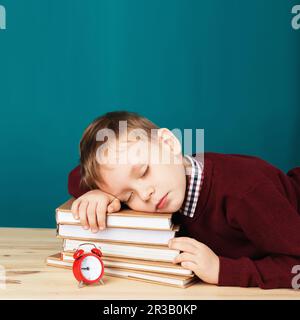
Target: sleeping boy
(239,216)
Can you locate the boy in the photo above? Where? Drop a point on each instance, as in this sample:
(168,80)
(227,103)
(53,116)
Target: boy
(239,215)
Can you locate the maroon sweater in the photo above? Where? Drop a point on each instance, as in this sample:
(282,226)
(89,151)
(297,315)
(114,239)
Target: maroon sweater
(248,213)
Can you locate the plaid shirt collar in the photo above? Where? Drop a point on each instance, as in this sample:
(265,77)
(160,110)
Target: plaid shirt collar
(193,186)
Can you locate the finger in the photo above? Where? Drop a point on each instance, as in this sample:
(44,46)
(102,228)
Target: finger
(182,246)
(101,214)
(189,265)
(74,208)
(185,256)
(114,206)
(188,240)
(82,214)
(91,216)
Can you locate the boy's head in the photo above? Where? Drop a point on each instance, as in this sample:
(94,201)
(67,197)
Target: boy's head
(128,156)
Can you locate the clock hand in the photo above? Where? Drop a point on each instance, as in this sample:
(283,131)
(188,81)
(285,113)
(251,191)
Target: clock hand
(87,268)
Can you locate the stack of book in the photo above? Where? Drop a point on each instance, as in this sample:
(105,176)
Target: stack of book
(134,245)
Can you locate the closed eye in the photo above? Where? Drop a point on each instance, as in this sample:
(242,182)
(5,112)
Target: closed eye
(145,172)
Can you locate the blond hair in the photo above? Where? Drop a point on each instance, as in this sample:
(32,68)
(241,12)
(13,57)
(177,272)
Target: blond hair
(89,145)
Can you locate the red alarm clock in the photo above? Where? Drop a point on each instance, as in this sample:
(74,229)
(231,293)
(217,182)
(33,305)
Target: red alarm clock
(88,267)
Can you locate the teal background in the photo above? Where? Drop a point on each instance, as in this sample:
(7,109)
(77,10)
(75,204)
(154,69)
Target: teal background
(230,67)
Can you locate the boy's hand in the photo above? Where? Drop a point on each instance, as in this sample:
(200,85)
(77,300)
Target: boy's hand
(198,257)
(91,209)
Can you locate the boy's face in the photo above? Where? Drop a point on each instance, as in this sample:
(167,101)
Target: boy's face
(146,178)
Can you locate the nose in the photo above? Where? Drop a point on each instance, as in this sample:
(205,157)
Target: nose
(146,193)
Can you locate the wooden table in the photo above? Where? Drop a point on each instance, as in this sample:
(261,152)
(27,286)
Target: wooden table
(23,253)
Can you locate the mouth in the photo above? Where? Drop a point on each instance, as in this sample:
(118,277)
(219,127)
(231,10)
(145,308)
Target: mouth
(162,202)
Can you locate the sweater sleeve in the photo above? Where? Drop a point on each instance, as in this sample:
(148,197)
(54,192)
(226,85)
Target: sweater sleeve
(272,224)
(74,188)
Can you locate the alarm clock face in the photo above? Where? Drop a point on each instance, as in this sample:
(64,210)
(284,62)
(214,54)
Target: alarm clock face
(91,268)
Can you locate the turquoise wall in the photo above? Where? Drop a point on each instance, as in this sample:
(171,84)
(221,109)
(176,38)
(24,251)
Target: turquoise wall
(230,67)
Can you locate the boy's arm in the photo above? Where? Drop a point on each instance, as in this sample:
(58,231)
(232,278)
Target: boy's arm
(271,272)
(273,225)
(74,188)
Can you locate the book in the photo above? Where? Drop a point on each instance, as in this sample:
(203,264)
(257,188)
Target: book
(157,237)
(134,246)
(123,250)
(181,281)
(134,264)
(125,218)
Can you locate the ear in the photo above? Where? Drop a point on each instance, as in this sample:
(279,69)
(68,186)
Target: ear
(78,254)
(165,136)
(97,252)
